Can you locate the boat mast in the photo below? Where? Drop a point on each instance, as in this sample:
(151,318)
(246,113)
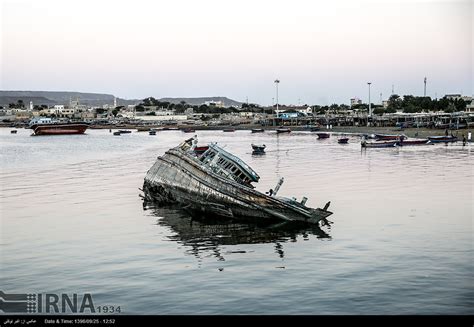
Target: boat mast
(277,187)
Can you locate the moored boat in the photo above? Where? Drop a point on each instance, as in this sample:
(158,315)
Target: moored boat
(117,133)
(229,130)
(387,144)
(258,149)
(414,142)
(13,131)
(387,137)
(442,139)
(343,140)
(124,131)
(47,126)
(216,182)
(283,130)
(258,130)
(323,135)
(188,130)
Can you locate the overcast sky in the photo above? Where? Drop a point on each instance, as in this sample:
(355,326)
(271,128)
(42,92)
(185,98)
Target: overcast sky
(323,52)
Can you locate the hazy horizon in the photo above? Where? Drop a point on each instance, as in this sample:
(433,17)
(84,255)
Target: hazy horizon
(322,53)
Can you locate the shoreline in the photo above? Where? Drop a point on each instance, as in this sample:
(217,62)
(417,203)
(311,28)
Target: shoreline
(412,132)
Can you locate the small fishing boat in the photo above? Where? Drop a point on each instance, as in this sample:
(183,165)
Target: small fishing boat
(442,139)
(387,137)
(283,130)
(124,131)
(323,135)
(387,144)
(414,142)
(343,140)
(258,130)
(258,149)
(117,133)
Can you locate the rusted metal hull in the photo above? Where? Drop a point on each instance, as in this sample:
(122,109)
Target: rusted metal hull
(59,129)
(177,178)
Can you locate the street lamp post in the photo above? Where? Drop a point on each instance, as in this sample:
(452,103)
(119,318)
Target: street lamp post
(370,106)
(276,83)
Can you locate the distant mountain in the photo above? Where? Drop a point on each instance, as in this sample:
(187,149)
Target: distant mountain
(94,99)
(50,98)
(6,100)
(198,101)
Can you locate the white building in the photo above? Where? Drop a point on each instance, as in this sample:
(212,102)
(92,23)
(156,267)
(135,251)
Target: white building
(305,111)
(218,104)
(60,110)
(162,118)
(470,107)
(355,101)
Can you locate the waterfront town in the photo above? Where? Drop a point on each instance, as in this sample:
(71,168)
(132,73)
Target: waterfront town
(452,111)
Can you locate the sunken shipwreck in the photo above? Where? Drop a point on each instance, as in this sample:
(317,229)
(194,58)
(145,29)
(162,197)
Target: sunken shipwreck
(208,180)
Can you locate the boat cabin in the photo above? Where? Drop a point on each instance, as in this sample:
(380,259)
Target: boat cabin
(228,165)
(41,120)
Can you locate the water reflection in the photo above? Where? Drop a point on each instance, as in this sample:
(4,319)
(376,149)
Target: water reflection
(203,236)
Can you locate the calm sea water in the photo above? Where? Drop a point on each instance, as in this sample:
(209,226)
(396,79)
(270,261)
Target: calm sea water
(72,221)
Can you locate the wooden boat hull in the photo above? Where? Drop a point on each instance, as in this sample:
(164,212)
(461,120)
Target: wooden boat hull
(323,135)
(343,141)
(59,129)
(386,137)
(281,131)
(442,139)
(414,142)
(258,130)
(379,144)
(177,178)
